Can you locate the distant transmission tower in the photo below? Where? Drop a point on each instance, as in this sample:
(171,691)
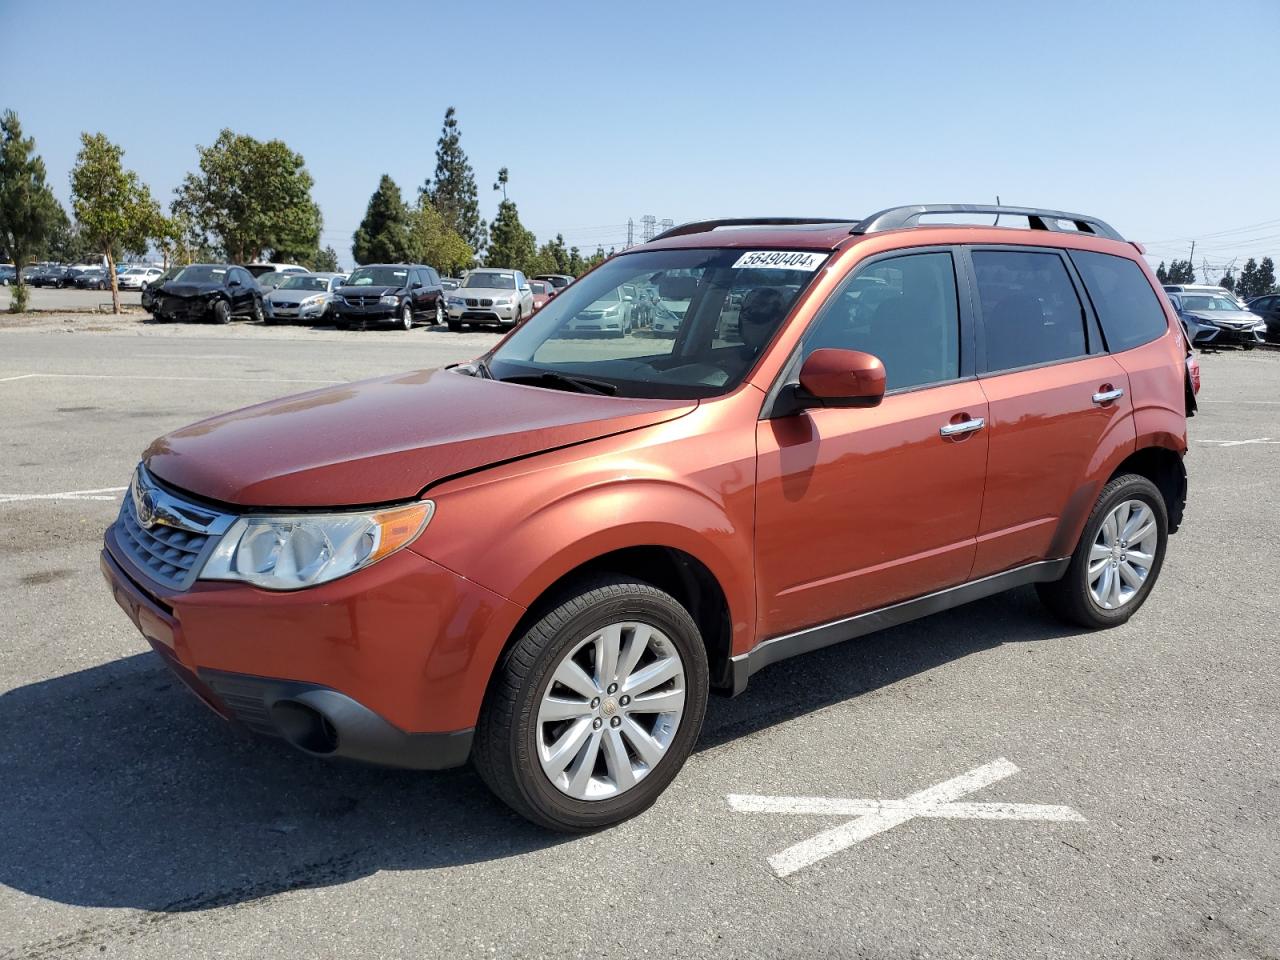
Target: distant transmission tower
(648,221)
(631,232)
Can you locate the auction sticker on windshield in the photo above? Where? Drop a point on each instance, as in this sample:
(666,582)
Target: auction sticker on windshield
(779,260)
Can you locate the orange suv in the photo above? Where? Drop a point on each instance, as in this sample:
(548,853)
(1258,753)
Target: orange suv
(544,560)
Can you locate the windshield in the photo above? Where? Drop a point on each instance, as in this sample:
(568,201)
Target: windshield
(378,277)
(491,280)
(202,273)
(305,283)
(1209,303)
(668,323)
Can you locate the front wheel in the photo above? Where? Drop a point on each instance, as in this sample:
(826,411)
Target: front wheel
(221,312)
(1118,559)
(595,709)
(406,316)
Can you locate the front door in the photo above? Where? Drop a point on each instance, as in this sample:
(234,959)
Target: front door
(860,508)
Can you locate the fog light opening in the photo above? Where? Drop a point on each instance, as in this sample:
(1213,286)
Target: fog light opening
(305,727)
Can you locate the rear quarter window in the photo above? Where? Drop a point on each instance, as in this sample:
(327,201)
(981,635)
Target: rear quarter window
(1127,307)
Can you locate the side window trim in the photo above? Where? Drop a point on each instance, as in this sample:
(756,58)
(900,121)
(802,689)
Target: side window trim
(968,339)
(1087,318)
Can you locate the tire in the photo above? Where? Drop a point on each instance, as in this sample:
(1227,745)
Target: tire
(257,314)
(455,326)
(221,312)
(406,316)
(509,738)
(439,315)
(1072,598)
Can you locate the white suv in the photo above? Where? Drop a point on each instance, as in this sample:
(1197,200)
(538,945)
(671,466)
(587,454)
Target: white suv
(493,296)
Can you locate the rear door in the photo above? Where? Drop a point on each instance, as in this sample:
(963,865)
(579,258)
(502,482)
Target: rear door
(1058,403)
(860,508)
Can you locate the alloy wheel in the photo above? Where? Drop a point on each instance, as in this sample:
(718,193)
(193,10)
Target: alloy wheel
(1122,554)
(610,711)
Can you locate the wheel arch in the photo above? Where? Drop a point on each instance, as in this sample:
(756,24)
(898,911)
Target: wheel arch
(1165,468)
(687,578)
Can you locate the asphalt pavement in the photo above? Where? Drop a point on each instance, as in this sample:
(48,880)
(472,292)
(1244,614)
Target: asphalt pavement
(1115,794)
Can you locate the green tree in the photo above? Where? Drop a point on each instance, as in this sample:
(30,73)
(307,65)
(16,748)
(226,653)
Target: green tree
(1180,271)
(325,261)
(1247,282)
(597,258)
(113,208)
(510,244)
(553,257)
(1162,273)
(29,212)
(383,234)
(434,242)
(453,191)
(1266,276)
(252,196)
(577,266)
(1228,282)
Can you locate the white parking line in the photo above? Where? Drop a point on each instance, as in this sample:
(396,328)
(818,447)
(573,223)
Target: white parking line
(100,493)
(1238,443)
(877,816)
(1238,401)
(131,376)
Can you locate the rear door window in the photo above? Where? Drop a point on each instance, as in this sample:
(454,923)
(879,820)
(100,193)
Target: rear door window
(1127,307)
(901,309)
(1030,311)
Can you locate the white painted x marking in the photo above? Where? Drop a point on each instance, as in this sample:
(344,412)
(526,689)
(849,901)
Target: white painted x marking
(877,816)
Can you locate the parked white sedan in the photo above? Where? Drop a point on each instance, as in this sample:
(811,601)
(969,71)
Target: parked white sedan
(135,277)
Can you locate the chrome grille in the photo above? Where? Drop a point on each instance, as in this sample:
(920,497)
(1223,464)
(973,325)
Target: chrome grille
(165,537)
(363,301)
(473,302)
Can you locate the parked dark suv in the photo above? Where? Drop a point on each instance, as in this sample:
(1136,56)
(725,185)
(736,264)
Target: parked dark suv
(398,293)
(213,292)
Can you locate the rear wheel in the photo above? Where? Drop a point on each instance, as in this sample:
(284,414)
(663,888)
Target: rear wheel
(1118,559)
(594,710)
(439,315)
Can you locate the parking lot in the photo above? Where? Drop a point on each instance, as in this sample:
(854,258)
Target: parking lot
(136,824)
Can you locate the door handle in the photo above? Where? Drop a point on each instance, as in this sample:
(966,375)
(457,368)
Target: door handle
(1106,396)
(964,426)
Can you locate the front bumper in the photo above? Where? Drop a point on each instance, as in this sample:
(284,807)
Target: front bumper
(500,315)
(376,314)
(176,308)
(388,665)
(292,311)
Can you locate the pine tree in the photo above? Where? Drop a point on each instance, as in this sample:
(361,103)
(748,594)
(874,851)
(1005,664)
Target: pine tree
(510,244)
(29,212)
(384,234)
(325,261)
(1161,273)
(1228,282)
(1266,276)
(1247,283)
(453,191)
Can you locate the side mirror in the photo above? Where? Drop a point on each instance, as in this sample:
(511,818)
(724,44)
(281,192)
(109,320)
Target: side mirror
(234,283)
(416,285)
(837,378)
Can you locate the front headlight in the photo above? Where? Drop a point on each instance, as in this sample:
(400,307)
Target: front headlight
(502,302)
(311,301)
(457,302)
(290,552)
(390,300)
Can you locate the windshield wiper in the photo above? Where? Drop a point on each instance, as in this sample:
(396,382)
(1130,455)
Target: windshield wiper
(561,381)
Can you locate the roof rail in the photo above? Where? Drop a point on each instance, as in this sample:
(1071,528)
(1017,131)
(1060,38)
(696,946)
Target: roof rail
(703,226)
(909,216)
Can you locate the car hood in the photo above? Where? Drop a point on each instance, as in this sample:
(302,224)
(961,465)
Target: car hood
(486,293)
(190,289)
(366,291)
(1235,316)
(293,296)
(379,441)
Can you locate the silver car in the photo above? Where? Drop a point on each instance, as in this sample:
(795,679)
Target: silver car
(303,296)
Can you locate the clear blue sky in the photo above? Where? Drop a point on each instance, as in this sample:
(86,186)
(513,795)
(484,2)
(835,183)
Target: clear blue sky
(1158,117)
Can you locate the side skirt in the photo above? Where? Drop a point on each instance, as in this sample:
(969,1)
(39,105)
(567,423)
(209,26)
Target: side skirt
(847,628)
